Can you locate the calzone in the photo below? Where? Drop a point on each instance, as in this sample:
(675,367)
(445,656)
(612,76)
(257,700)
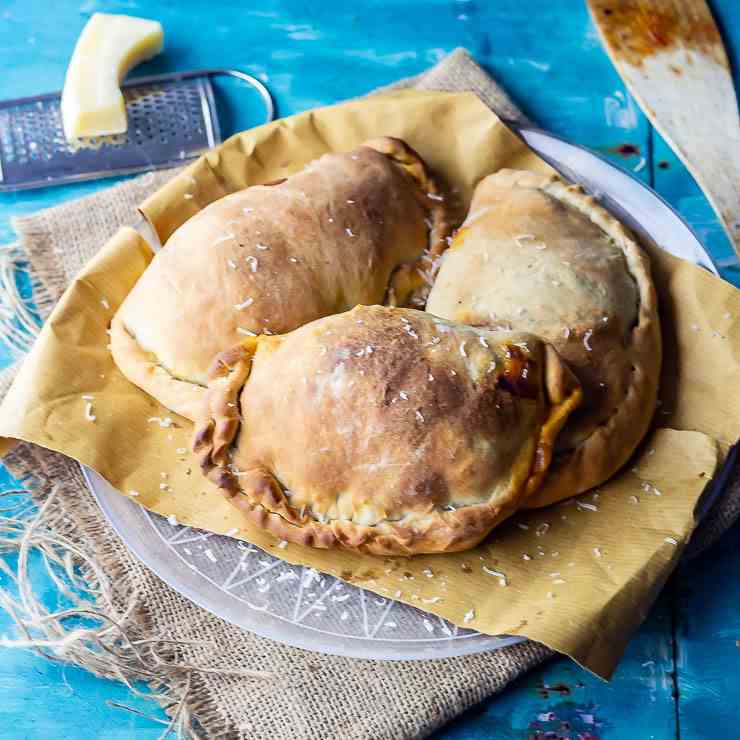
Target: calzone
(350,228)
(383,430)
(536,254)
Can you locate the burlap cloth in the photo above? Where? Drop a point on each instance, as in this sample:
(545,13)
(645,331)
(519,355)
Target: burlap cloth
(196,662)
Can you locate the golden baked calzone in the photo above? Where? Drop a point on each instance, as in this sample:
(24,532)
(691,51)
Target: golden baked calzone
(383,430)
(350,228)
(536,254)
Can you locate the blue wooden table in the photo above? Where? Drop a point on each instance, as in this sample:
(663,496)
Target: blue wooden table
(681,674)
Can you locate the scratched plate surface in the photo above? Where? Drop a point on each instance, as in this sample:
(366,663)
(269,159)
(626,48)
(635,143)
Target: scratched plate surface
(301,607)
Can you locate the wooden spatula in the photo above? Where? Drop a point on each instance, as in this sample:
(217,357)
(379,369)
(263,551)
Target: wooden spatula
(671,57)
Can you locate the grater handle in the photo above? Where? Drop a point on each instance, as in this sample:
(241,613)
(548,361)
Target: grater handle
(254,82)
(214,72)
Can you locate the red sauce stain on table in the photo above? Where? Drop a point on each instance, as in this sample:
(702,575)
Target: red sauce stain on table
(636,29)
(626,150)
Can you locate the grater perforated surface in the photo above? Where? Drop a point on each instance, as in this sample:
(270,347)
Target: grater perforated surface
(171,118)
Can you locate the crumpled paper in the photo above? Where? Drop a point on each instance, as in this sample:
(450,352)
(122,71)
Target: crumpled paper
(578,576)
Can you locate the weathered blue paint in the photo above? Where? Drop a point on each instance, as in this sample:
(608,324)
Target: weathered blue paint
(563,699)
(547,54)
(708,642)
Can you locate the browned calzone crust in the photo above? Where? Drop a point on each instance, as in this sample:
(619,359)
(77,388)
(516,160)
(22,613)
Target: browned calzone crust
(271,258)
(384,430)
(536,254)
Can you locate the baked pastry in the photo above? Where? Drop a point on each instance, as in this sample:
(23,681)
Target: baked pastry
(350,228)
(536,254)
(383,430)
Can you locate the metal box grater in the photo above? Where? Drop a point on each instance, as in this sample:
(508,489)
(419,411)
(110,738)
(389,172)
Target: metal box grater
(171,118)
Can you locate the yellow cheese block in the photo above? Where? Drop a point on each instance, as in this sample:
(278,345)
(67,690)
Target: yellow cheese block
(108,47)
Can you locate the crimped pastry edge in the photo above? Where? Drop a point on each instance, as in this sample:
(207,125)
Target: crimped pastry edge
(609,447)
(267,507)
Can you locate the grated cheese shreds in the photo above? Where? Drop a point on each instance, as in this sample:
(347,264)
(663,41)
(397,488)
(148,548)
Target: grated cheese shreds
(104,303)
(584,505)
(597,552)
(231,532)
(586,339)
(245,304)
(282,544)
(89,412)
(245,332)
(134,493)
(504,581)
(224,238)
(469,616)
(165,422)
(671,540)
(288,575)
(172,519)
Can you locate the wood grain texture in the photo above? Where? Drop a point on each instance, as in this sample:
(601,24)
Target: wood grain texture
(671,56)
(549,57)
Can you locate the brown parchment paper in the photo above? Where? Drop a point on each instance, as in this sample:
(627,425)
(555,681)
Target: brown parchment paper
(579,576)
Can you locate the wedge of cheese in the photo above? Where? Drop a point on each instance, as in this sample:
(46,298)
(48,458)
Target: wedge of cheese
(109,46)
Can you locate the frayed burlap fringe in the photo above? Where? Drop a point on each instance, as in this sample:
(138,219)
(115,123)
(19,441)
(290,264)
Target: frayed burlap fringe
(19,322)
(118,641)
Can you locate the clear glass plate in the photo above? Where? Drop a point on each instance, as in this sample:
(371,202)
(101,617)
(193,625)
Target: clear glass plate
(301,607)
